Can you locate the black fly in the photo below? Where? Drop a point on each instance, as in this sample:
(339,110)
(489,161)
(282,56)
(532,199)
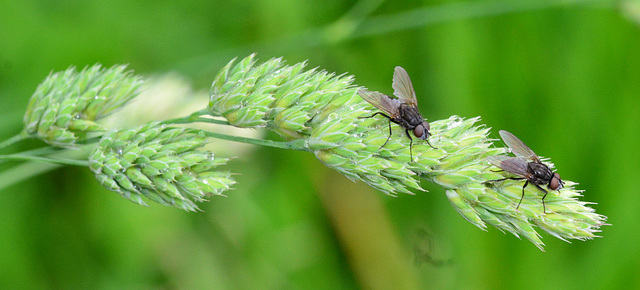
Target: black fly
(403,110)
(527,165)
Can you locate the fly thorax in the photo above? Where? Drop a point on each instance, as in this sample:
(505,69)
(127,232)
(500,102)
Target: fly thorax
(540,172)
(410,115)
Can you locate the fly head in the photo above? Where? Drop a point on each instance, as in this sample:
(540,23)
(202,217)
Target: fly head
(556,183)
(422,130)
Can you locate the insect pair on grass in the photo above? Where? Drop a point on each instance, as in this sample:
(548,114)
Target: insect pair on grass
(526,165)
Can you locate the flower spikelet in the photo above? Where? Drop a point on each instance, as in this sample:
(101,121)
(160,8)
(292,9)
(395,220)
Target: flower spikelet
(164,164)
(67,104)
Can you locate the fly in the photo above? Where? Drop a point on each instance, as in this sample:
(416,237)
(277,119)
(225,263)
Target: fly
(527,166)
(403,110)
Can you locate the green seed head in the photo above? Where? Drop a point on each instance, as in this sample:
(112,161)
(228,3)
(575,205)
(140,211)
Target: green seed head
(66,105)
(163,164)
(325,112)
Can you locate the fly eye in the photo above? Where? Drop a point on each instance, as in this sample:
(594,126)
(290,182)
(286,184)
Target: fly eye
(554,184)
(419,131)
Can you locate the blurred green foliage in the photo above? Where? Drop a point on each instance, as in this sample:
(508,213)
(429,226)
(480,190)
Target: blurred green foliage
(564,76)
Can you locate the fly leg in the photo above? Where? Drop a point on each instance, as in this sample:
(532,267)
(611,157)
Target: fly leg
(544,208)
(385,142)
(430,143)
(513,178)
(410,144)
(376,113)
(503,179)
(427,139)
(522,197)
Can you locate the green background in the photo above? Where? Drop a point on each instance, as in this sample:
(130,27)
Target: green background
(564,76)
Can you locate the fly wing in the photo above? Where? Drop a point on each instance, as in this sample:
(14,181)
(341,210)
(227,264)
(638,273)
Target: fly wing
(517,147)
(402,87)
(515,165)
(381,101)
